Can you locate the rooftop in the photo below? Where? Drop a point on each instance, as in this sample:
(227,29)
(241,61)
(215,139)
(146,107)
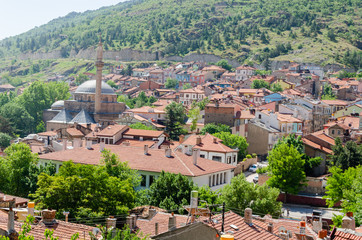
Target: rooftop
(89,87)
(208,144)
(155,161)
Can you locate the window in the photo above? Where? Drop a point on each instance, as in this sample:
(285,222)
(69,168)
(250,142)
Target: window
(216,158)
(225,177)
(202,155)
(217,179)
(234,159)
(209,181)
(143,181)
(339,132)
(221,182)
(229,160)
(332,131)
(259,116)
(213,180)
(152,178)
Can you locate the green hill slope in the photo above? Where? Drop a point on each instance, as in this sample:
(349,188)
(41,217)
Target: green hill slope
(300,30)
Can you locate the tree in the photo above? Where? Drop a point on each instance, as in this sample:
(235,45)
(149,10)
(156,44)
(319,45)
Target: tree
(202,104)
(259,83)
(22,122)
(328,93)
(111,83)
(4,140)
(186,86)
(331,35)
(224,64)
(345,186)
(139,125)
(241,194)
(85,191)
(346,156)
(19,170)
(194,116)
(234,141)
(175,118)
(171,83)
(213,128)
(5,126)
(286,167)
(293,140)
(170,191)
(129,70)
(80,78)
(276,87)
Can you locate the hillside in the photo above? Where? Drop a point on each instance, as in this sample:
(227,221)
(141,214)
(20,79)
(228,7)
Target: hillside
(299,30)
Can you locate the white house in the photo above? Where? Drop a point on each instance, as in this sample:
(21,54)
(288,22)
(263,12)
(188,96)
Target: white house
(189,95)
(210,148)
(150,162)
(244,72)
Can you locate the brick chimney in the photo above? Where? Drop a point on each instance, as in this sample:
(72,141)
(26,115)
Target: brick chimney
(248,216)
(322,234)
(146,149)
(181,138)
(111,222)
(348,221)
(195,155)
(171,222)
(198,140)
(214,140)
(270,227)
(168,152)
(48,217)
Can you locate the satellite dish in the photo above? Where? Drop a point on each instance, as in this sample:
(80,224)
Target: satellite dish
(95,231)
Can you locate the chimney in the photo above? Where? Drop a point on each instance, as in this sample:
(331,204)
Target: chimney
(134,220)
(65,143)
(195,155)
(248,218)
(181,138)
(129,221)
(89,126)
(198,140)
(171,222)
(66,214)
(322,234)
(348,221)
(31,206)
(156,228)
(11,216)
(270,227)
(214,140)
(48,217)
(102,146)
(146,149)
(111,222)
(168,152)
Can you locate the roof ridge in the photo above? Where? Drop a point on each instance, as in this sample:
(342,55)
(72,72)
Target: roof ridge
(182,162)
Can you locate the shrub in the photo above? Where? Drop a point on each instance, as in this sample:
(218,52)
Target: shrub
(254,155)
(248,156)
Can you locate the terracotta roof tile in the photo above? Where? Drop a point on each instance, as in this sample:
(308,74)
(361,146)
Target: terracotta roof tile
(74,132)
(49,133)
(335,102)
(143,133)
(112,130)
(155,161)
(207,144)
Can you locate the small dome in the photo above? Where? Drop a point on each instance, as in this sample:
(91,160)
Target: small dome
(89,87)
(58,104)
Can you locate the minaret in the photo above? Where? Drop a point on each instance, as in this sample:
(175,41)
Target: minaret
(99,65)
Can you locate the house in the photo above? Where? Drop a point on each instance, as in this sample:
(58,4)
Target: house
(274,97)
(150,113)
(150,85)
(244,72)
(335,105)
(150,162)
(210,148)
(284,84)
(353,109)
(228,76)
(216,71)
(318,144)
(156,75)
(223,113)
(251,227)
(6,88)
(190,95)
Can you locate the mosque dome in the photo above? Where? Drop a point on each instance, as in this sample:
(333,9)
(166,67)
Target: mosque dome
(58,105)
(89,87)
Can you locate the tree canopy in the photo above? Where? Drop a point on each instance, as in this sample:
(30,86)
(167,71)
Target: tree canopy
(286,167)
(171,83)
(234,141)
(215,128)
(259,83)
(349,155)
(175,119)
(139,125)
(240,194)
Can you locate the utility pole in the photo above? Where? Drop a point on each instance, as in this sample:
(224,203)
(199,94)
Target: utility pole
(223,217)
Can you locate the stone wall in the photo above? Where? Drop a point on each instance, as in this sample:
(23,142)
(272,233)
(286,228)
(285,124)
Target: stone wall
(201,58)
(244,165)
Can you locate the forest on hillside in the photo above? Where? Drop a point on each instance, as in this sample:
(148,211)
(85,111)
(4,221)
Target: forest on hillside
(256,30)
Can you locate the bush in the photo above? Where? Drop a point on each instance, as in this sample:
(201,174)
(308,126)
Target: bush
(248,156)
(254,155)
(262,170)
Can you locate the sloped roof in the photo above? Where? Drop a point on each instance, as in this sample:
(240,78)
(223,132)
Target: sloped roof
(207,144)
(155,161)
(83,117)
(63,116)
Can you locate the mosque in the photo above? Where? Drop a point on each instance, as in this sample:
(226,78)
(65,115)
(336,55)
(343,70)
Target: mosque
(94,101)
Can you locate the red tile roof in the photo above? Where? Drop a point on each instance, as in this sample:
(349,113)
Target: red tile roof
(335,102)
(147,226)
(49,133)
(74,132)
(155,161)
(343,234)
(143,133)
(207,144)
(112,130)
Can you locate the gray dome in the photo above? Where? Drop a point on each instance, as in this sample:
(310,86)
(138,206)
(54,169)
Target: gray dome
(89,87)
(58,104)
